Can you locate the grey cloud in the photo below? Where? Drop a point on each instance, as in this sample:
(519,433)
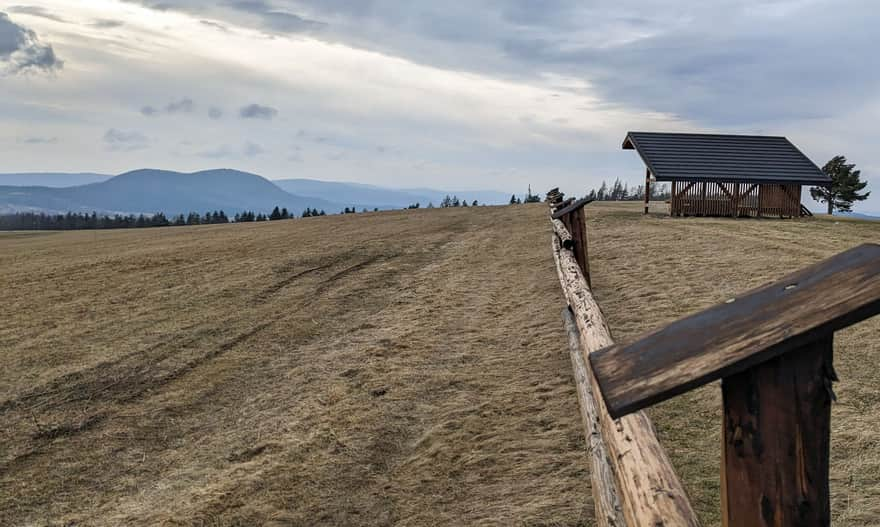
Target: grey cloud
(32,10)
(120,140)
(767,61)
(257,111)
(215,112)
(215,25)
(249,149)
(252,149)
(38,140)
(21,50)
(217,153)
(185,105)
(107,23)
(289,23)
(276,19)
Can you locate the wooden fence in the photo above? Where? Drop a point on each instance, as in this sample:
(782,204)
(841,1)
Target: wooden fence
(772,348)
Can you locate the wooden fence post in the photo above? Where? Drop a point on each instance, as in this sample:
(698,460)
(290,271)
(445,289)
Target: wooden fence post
(572,217)
(777,432)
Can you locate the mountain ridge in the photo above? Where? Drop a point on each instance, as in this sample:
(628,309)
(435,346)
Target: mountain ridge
(148,191)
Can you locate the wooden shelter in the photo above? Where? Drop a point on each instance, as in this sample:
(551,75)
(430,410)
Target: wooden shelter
(727,175)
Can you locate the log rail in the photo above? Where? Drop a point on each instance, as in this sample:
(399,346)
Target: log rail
(633,480)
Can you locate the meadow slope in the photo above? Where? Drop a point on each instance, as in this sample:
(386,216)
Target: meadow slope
(649,271)
(400,368)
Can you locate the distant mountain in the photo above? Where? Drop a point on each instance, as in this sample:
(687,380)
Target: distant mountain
(371,196)
(149,191)
(51,179)
(861,216)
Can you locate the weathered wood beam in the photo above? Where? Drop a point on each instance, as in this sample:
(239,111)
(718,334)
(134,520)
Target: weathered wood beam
(777,432)
(606,504)
(568,208)
(743,332)
(649,490)
(647,188)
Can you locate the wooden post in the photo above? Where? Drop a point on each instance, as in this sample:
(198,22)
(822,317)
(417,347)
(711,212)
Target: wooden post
(760,201)
(736,200)
(777,432)
(647,188)
(672,199)
(574,234)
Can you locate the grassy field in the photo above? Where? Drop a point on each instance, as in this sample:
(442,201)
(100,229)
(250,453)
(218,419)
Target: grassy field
(649,271)
(401,368)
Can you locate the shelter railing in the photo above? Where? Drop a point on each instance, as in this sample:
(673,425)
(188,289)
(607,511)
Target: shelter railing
(772,348)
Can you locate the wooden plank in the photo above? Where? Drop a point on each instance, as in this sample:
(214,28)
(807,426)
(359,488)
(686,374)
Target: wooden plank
(761,189)
(606,504)
(736,198)
(650,492)
(560,212)
(673,208)
(742,332)
(777,432)
(647,188)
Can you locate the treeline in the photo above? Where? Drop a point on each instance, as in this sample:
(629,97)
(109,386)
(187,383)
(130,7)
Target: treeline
(29,221)
(448,201)
(622,192)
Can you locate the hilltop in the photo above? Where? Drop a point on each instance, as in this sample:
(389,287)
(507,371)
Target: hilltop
(413,371)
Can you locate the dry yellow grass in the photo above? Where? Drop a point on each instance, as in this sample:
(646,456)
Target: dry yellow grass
(649,271)
(403,368)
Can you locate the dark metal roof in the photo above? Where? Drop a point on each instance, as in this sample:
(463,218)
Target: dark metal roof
(716,157)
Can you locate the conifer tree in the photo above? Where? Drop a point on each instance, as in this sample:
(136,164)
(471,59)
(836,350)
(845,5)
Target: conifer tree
(845,186)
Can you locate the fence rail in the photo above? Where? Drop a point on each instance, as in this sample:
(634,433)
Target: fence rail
(632,478)
(772,348)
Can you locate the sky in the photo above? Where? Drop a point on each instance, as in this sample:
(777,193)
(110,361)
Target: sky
(484,94)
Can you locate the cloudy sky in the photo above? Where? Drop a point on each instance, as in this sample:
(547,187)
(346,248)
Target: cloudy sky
(492,94)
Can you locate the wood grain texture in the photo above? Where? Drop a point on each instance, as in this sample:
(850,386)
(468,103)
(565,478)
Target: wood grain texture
(733,336)
(649,489)
(606,503)
(567,208)
(777,432)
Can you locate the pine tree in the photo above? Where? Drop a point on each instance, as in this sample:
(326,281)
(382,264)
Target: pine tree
(602,194)
(845,186)
(474,204)
(513,199)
